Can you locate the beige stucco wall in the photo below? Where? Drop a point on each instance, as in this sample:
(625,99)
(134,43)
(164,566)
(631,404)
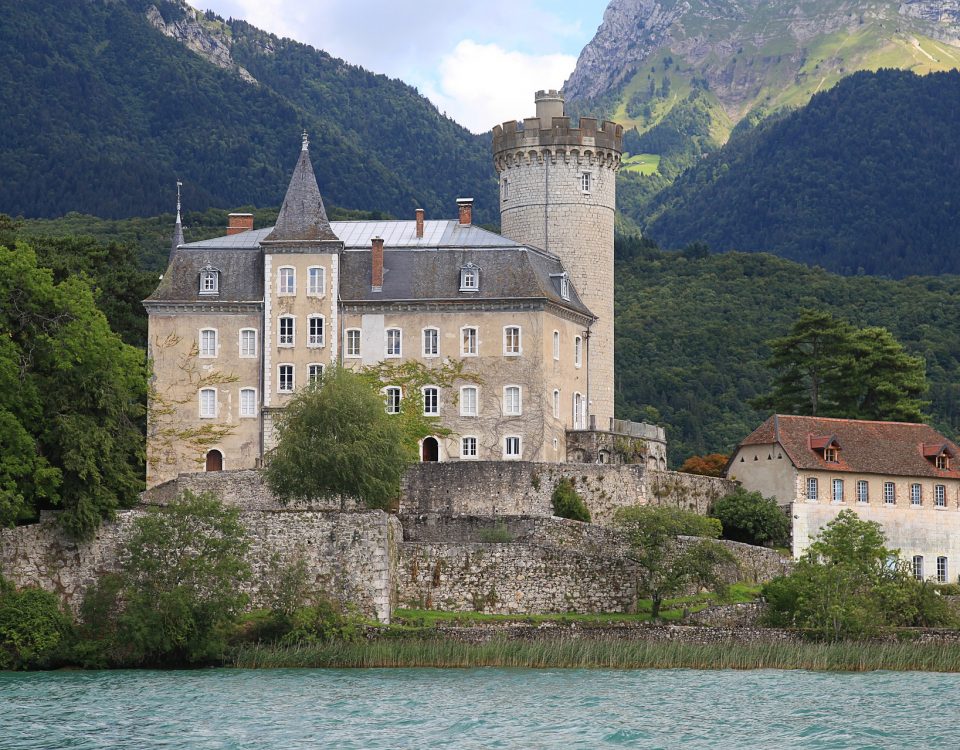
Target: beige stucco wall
(767,470)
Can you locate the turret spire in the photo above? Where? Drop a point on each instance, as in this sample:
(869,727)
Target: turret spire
(177,227)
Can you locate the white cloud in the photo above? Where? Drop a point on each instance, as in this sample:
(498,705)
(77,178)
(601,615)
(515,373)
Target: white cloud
(481,85)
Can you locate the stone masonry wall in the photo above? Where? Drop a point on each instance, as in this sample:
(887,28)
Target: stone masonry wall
(349,556)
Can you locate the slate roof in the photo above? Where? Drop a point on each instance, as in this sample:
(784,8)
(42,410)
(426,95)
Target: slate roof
(895,448)
(241,276)
(302,216)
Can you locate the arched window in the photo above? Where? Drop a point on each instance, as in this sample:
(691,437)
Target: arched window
(316,281)
(214,461)
(209,281)
(286,281)
(470,278)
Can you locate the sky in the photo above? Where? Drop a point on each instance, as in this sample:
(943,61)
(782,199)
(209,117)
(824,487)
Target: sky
(480,62)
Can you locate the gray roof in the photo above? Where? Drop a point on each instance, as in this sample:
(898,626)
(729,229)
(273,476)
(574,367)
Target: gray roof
(241,276)
(302,216)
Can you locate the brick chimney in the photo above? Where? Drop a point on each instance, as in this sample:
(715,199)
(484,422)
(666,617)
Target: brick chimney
(239,223)
(376,264)
(466,211)
(419,223)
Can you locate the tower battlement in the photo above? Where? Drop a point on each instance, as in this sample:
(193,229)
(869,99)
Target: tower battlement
(535,133)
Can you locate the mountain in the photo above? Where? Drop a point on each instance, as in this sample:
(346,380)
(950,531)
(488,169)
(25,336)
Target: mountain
(864,179)
(108,102)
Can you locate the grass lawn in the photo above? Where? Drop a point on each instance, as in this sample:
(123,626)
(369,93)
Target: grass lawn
(645,164)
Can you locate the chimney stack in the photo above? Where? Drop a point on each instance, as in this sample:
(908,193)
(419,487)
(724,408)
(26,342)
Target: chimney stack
(376,264)
(237,223)
(419,223)
(466,211)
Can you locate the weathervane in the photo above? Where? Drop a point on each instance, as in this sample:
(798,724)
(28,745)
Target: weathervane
(179,185)
(306,141)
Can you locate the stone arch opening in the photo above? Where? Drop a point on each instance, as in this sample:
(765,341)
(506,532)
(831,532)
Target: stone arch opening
(214,461)
(430,450)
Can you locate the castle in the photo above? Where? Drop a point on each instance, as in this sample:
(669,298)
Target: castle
(518,327)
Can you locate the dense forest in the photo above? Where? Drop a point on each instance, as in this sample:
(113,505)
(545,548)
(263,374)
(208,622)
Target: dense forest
(863,180)
(103,113)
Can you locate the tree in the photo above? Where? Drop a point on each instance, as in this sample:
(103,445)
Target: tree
(567,502)
(751,518)
(848,584)
(711,465)
(665,567)
(335,440)
(32,627)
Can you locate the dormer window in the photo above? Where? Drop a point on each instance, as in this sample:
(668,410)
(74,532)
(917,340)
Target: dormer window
(939,455)
(830,455)
(565,286)
(209,281)
(470,278)
(828,447)
(942,462)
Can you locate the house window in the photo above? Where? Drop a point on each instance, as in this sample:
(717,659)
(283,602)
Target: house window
(940,496)
(316,281)
(431,401)
(863,491)
(838,490)
(469,278)
(209,281)
(468,342)
(918,567)
(208,403)
(830,455)
(315,330)
(248,342)
(248,402)
(942,462)
(511,401)
(431,342)
(889,493)
(941,570)
(565,286)
(511,340)
(511,447)
(314,372)
(468,401)
(393,398)
(352,342)
(505,189)
(286,280)
(579,422)
(468,447)
(584,182)
(208,342)
(916,494)
(577,351)
(556,344)
(285,335)
(556,404)
(394,341)
(285,378)
(813,488)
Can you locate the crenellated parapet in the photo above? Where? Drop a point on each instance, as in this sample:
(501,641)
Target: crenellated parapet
(528,141)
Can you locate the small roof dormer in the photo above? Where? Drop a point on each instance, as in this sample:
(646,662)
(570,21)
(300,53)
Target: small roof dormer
(470,277)
(827,446)
(939,454)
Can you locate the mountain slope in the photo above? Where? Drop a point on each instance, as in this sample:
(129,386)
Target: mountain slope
(108,102)
(864,179)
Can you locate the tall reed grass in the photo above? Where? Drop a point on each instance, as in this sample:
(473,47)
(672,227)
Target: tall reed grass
(607,654)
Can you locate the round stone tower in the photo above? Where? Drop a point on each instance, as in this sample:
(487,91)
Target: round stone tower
(558,192)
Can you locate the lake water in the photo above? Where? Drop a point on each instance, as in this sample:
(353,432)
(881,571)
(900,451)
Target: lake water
(478,708)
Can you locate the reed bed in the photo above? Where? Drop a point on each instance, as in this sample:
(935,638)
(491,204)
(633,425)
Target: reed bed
(606,654)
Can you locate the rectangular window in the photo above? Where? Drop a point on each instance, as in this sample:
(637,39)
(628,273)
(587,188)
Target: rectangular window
(209,282)
(468,342)
(208,403)
(511,446)
(889,493)
(918,567)
(579,422)
(431,342)
(431,401)
(942,572)
(208,343)
(511,401)
(812,488)
(314,372)
(286,281)
(838,490)
(315,331)
(393,397)
(352,344)
(863,491)
(469,280)
(565,286)
(577,351)
(248,342)
(942,462)
(511,340)
(248,402)
(505,189)
(585,182)
(285,378)
(556,344)
(316,281)
(916,494)
(556,404)
(940,496)
(468,401)
(394,339)
(468,447)
(830,455)
(286,334)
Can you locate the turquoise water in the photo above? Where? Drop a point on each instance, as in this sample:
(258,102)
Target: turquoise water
(479,708)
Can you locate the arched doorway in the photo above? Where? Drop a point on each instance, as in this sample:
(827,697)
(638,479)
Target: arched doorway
(430,452)
(214,461)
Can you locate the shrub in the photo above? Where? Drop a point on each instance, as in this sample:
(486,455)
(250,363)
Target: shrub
(32,627)
(711,465)
(751,518)
(498,534)
(567,502)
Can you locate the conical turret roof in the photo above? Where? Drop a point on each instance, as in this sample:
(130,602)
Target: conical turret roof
(302,216)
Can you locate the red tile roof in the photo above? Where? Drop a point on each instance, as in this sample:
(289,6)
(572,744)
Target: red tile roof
(897,448)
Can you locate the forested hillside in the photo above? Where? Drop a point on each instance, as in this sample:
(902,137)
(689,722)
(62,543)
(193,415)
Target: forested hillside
(691,329)
(103,112)
(864,179)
